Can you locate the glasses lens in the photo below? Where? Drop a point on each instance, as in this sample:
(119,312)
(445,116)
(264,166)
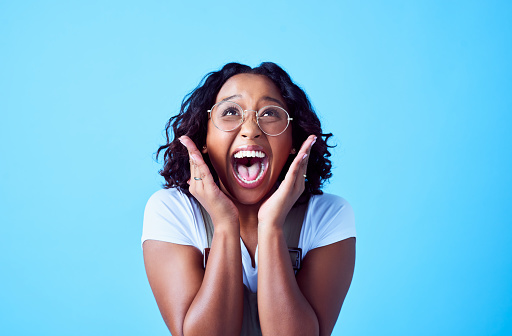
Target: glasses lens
(227,116)
(273,120)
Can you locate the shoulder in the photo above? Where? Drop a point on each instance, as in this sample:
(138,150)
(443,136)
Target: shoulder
(329,219)
(163,196)
(168,202)
(328,207)
(172,216)
(327,201)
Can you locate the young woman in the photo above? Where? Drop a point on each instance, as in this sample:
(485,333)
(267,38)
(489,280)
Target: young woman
(247,148)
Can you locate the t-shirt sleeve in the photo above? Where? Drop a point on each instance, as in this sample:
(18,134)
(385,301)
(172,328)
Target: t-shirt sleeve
(169,217)
(331,219)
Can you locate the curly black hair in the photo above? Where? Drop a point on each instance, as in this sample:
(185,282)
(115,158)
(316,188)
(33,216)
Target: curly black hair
(192,121)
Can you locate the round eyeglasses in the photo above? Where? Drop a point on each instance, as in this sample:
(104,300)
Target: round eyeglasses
(228,116)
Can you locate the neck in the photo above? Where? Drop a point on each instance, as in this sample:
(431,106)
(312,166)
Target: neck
(248,215)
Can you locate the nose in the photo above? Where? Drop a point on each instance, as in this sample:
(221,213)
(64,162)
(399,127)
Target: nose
(250,128)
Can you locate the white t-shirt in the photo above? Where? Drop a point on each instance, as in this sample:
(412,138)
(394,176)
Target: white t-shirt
(171,216)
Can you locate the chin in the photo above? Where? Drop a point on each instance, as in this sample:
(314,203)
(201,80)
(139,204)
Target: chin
(249,196)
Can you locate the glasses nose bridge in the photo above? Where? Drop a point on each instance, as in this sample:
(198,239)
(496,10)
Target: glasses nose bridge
(255,112)
(244,115)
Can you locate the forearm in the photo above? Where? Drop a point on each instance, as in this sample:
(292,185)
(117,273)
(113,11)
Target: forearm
(218,306)
(283,309)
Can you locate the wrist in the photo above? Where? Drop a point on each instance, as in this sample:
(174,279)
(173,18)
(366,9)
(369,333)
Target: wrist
(226,226)
(270,228)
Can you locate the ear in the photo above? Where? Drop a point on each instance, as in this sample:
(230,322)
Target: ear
(204,150)
(293,151)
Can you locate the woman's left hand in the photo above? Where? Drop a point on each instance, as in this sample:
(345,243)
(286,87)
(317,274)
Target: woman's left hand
(274,210)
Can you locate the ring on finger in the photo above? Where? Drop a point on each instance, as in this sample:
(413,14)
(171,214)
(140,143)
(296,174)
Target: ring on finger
(197,178)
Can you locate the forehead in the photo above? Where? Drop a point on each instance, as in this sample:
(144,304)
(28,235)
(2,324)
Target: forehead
(249,86)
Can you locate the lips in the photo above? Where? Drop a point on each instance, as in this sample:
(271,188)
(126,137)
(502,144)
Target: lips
(250,165)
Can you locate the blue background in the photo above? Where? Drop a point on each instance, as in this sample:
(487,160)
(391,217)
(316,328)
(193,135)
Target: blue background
(417,94)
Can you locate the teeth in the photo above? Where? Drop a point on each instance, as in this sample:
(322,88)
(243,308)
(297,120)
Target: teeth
(242,154)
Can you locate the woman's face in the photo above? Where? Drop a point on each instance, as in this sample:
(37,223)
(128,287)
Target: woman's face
(245,175)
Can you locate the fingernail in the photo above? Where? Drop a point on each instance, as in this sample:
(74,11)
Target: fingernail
(179,139)
(305,156)
(314,140)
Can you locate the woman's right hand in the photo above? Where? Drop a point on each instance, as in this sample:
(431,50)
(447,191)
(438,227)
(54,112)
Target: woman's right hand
(203,188)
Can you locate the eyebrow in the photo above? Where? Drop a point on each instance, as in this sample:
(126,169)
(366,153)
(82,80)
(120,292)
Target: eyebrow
(231,97)
(266,98)
(274,100)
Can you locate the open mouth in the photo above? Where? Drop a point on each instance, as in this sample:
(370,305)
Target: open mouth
(249,167)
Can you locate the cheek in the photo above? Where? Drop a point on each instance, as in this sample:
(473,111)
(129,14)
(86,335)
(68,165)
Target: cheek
(217,149)
(282,152)
(217,158)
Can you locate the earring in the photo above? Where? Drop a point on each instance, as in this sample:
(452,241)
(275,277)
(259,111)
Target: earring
(204,150)
(293,151)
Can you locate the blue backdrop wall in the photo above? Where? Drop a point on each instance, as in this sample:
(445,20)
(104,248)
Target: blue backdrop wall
(417,94)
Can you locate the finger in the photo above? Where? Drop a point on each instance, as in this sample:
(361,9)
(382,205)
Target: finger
(302,158)
(192,182)
(299,165)
(295,174)
(201,172)
(306,145)
(194,176)
(189,144)
(309,145)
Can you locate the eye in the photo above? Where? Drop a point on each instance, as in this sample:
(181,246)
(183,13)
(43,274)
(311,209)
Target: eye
(267,113)
(230,111)
(272,112)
